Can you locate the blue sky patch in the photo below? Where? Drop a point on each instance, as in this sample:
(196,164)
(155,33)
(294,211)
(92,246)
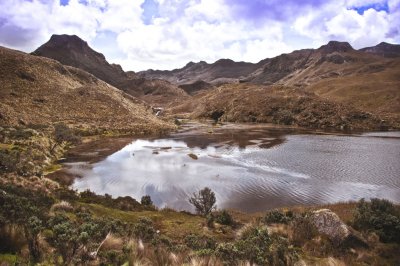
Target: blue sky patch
(64,2)
(378,7)
(150,11)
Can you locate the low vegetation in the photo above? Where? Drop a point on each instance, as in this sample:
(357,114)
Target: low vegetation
(45,222)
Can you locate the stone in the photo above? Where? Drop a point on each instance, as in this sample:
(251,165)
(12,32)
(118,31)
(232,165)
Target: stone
(329,223)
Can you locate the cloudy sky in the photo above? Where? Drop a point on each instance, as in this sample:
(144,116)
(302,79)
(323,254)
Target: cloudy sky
(166,34)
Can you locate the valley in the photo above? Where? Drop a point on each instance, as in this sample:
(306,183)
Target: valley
(100,166)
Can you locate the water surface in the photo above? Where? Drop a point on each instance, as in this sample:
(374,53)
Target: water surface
(250,168)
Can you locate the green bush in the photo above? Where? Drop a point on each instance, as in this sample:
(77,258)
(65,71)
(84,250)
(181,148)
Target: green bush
(379,216)
(227,253)
(197,242)
(254,244)
(203,201)
(278,217)
(146,201)
(144,229)
(224,218)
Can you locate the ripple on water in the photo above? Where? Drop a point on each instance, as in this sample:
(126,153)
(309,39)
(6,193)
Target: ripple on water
(303,169)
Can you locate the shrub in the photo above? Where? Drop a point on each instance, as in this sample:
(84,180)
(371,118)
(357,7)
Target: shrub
(254,244)
(303,230)
(197,242)
(144,229)
(278,217)
(203,201)
(146,201)
(224,218)
(379,216)
(62,133)
(228,253)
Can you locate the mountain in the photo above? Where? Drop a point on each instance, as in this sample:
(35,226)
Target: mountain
(384,49)
(367,79)
(222,71)
(37,90)
(71,50)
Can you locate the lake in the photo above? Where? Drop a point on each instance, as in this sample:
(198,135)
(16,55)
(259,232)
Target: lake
(249,167)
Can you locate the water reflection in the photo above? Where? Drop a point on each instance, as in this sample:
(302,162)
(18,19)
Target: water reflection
(235,163)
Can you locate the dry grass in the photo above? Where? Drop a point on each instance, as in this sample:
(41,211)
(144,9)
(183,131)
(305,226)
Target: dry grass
(278,105)
(37,90)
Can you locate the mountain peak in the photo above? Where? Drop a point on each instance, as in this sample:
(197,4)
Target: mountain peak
(384,49)
(73,51)
(336,46)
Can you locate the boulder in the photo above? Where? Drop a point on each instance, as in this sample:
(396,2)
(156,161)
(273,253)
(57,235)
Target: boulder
(328,223)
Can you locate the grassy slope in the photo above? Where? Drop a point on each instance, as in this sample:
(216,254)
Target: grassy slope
(37,90)
(368,82)
(276,104)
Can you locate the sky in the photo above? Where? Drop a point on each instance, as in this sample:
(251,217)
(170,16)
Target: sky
(167,34)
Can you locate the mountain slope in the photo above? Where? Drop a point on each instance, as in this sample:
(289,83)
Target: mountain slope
(278,105)
(72,51)
(37,90)
(368,79)
(384,49)
(269,70)
(222,71)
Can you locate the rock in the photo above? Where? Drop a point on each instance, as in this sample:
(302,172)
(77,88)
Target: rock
(193,156)
(329,223)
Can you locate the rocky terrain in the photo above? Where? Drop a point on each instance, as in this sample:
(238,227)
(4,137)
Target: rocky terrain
(37,90)
(70,50)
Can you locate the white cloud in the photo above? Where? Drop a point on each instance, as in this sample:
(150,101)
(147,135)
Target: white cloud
(344,24)
(191,30)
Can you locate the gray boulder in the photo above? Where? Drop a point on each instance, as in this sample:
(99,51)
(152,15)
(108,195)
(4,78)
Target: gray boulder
(328,223)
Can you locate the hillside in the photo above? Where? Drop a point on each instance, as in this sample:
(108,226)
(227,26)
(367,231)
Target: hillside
(37,90)
(278,105)
(71,50)
(220,72)
(384,49)
(368,79)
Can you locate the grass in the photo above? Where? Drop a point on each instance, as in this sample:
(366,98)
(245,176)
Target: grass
(8,259)
(4,146)
(52,168)
(173,224)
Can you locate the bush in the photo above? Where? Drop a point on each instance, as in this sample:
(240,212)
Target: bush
(254,244)
(278,217)
(224,218)
(144,229)
(62,133)
(228,253)
(303,230)
(203,201)
(379,216)
(146,201)
(197,242)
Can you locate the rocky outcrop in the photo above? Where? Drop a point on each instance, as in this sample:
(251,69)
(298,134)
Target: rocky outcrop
(328,223)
